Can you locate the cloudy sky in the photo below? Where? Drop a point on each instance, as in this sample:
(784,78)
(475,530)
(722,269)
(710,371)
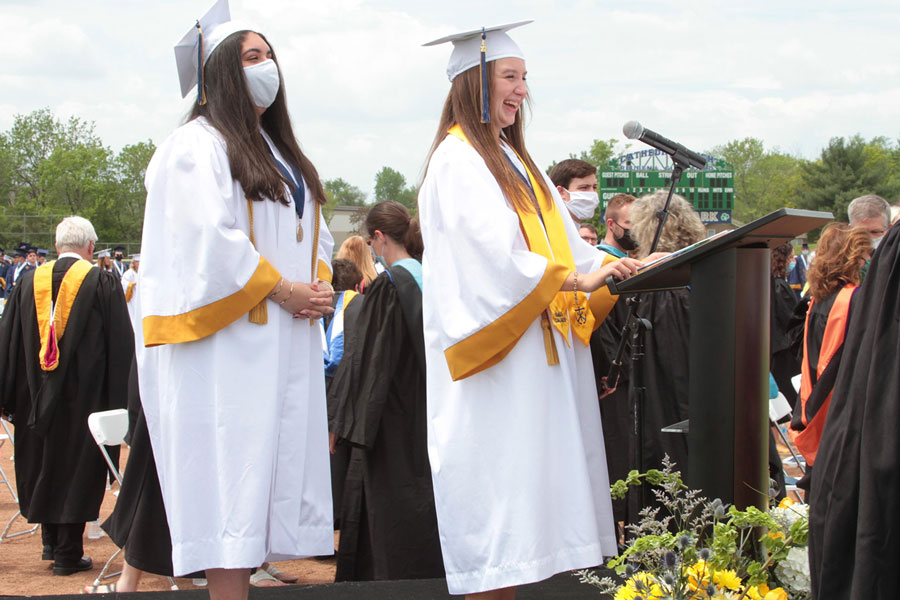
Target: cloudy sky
(364,94)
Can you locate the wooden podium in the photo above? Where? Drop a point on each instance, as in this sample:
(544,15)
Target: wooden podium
(729,276)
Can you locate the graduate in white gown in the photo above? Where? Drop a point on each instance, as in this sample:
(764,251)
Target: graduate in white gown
(232,379)
(514,435)
(129,286)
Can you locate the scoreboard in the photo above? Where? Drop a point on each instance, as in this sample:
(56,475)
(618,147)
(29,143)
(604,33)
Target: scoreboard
(711,190)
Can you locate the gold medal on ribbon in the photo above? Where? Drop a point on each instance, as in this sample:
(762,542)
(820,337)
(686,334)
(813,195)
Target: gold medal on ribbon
(300,231)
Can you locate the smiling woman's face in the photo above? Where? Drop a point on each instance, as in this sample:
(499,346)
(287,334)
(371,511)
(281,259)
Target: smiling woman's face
(508,91)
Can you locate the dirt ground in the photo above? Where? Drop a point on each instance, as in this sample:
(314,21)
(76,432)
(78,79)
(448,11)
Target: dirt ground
(22,572)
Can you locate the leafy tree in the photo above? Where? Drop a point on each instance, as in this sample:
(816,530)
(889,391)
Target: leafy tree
(847,169)
(128,170)
(599,153)
(764,181)
(33,139)
(391,185)
(341,193)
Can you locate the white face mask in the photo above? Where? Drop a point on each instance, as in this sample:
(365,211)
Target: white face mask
(583,204)
(263,82)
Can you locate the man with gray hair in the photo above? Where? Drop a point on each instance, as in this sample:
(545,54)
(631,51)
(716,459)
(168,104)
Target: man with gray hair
(66,348)
(872,212)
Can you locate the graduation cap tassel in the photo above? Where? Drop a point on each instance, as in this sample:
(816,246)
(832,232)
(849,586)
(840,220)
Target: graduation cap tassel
(201,88)
(485,95)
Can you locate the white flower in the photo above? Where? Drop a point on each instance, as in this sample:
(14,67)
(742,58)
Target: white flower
(793,571)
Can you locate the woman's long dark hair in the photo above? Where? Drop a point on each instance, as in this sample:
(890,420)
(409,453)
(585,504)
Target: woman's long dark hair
(463,107)
(231,111)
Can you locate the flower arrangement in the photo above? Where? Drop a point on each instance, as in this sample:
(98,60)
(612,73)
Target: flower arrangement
(716,552)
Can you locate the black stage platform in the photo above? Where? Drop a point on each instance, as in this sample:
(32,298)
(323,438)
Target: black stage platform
(564,586)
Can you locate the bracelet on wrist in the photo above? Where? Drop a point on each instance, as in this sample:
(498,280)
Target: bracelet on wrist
(290,293)
(278,291)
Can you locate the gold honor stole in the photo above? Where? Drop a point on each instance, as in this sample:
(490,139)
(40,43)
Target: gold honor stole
(566,310)
(53,317)
(129,293)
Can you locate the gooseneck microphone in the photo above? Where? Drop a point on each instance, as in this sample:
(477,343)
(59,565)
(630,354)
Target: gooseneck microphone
(635,131)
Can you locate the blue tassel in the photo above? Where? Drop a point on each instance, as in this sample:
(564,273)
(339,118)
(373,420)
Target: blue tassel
(201,89)
(485,94)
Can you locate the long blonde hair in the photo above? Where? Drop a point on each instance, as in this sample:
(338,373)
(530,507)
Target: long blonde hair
(462,108)
(356,250)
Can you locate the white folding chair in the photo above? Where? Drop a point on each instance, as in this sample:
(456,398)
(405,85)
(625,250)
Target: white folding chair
(778,409)
(5,535)
(109,428)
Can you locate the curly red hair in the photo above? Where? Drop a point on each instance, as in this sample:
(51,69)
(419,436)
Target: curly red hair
(841,252)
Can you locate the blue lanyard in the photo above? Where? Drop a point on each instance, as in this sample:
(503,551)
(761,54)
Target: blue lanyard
(294,176)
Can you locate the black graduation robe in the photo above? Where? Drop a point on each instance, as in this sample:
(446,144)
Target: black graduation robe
(138,523)
(783,361)
(854,546)
(60,472)
(615,408)
(388,520)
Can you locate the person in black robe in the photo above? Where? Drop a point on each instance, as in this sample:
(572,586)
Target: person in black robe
(854,548)
(48,392)
(665,367)
(783,362)
(138,522)
(388,519)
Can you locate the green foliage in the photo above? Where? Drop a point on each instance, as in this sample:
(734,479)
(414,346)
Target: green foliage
(49,167)
(702,549)
(391,185)
(764,181)
(599,153)
(341,193)
(847,169)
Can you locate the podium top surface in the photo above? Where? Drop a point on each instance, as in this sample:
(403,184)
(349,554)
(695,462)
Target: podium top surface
(769,231)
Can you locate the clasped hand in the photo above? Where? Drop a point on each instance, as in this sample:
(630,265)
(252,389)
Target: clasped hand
(304,300)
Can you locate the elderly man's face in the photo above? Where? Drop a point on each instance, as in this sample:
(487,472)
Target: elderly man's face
(875,226)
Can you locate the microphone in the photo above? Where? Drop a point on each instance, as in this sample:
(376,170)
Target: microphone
(635,131)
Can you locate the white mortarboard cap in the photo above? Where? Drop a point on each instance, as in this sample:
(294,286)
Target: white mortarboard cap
(136,257)
(467,47)
(214,26)
(103,254)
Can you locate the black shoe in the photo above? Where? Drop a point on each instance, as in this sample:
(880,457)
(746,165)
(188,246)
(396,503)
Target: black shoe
(84,564)
(47,554)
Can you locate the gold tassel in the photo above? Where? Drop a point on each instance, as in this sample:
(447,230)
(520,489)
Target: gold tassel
(259,314)
(549,343)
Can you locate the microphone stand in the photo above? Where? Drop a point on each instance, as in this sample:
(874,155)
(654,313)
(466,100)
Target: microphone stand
(636,326)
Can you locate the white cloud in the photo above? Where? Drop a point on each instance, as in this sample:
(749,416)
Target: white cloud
(364,94)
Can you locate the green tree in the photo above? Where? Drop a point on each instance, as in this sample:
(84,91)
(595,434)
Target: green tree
(341,193)
(764,181)
(846,169)
(391,185)
(126,205)
(50,167)
(599,153)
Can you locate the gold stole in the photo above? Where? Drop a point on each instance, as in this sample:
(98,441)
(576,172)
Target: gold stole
(566,310)
(53,317)
(129,293)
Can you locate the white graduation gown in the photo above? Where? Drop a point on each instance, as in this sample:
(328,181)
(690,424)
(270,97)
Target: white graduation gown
(236,410)
(516,449)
